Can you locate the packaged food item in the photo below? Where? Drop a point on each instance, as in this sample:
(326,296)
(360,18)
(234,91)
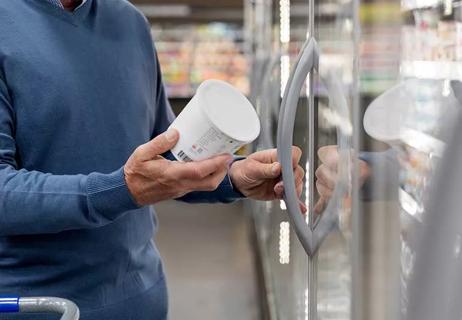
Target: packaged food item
(218,119)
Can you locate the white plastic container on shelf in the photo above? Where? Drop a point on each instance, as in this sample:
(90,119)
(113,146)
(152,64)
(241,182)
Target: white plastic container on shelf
(218,119)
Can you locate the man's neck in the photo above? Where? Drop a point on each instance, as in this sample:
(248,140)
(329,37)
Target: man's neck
(70,5)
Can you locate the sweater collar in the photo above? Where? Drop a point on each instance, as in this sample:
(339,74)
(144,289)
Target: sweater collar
(55,7)
(60,5)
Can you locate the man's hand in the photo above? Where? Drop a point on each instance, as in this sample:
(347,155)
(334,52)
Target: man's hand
(326,175)
(259,175)
(151,178)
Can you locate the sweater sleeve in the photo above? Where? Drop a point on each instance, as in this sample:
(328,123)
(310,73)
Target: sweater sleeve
(33,202)
(384,179)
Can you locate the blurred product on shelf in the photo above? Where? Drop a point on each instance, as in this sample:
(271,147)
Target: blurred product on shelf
(380,56)
(192,53)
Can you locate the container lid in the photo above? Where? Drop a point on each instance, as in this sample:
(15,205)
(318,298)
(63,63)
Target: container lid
(384,117)
(229,110)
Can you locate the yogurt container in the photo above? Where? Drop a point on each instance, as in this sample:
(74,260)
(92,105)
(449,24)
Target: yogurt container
(218,119)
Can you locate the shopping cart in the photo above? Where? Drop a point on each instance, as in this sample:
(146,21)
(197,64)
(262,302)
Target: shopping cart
(67,308)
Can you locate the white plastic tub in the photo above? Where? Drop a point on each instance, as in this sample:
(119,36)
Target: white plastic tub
(218,119)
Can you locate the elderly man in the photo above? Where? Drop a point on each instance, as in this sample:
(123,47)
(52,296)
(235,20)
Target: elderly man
(83,115)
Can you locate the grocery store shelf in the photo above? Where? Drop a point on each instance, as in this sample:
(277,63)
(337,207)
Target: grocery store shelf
(423,142)
(410,205)
(182,12)
(438,70)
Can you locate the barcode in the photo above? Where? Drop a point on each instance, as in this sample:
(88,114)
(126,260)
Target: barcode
(184,157)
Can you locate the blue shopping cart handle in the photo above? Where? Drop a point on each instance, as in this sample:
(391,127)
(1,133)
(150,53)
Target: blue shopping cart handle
(9,304)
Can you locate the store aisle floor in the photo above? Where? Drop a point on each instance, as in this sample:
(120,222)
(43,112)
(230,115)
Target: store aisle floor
(209,261)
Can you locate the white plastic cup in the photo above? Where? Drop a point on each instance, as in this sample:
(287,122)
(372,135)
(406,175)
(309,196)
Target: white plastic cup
(218,119)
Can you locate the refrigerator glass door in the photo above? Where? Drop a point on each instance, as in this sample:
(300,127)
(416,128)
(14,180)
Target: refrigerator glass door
(283,260)
(330,283)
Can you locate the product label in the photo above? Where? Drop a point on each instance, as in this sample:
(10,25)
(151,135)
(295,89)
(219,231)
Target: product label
(214,142)
(200,139)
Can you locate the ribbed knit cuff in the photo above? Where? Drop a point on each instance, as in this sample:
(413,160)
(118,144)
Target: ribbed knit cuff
(109,194)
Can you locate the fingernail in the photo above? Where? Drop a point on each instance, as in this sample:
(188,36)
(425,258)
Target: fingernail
(171,134)
(275,168)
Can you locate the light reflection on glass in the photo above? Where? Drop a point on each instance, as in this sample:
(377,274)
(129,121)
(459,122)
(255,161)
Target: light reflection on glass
(284,37)
(284,242)
(284,8)
(285,72)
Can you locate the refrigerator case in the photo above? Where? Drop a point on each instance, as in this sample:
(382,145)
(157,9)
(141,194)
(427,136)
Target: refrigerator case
(396,68)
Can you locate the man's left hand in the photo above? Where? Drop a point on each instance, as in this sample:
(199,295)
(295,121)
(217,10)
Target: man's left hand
(259,175)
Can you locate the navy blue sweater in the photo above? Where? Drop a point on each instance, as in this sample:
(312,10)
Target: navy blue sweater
(78,93)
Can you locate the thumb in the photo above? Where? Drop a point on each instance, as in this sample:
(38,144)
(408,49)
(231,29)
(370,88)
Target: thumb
(157,146)
(259,171)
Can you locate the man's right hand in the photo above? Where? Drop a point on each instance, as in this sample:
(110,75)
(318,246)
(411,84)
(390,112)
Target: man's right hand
(151,178)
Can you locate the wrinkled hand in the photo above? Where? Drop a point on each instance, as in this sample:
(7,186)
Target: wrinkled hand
(259,175)
(151,178)
(326,175)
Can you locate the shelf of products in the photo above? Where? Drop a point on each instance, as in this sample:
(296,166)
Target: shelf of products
(432,48)
(379,55)
(192,53)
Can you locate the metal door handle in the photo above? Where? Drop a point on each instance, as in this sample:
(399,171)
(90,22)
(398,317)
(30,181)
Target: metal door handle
(68,309)
(311,238)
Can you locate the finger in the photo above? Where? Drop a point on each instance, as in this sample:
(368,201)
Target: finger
(296,156)
(299,174)
(279,190)
(329,156)
(202,169)
(303,207)
(323,190)
(299,187)
(326,176)
(159,145)
(265,156)
(270,156)
(319,206)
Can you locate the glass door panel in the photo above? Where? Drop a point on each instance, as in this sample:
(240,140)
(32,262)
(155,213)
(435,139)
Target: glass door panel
(283,259)
(333,30)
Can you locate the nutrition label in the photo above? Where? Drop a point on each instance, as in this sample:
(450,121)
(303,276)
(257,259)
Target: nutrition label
(213,142)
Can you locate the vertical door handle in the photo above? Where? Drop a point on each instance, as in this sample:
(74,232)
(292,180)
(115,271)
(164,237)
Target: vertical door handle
(66,308)
(311,238)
